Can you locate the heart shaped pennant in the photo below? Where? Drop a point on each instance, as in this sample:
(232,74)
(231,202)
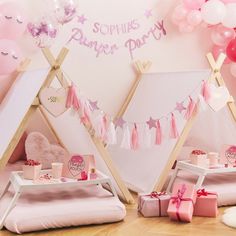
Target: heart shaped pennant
(54,100)
(219,97)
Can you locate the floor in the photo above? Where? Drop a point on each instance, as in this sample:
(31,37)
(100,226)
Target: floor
(135,225)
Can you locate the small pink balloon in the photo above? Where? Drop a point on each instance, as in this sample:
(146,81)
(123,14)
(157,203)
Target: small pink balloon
(180,12)
(184,27)
(13,21)
(194,17)
(233,69)
(193,4)
(222,35)
(217,50)
(10,56)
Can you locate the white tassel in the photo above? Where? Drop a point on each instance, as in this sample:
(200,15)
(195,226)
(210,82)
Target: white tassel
(111,134)
(125,143)
(99,127)
(147,138)
(202,103)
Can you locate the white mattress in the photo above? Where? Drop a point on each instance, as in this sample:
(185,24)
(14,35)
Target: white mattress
(41,210)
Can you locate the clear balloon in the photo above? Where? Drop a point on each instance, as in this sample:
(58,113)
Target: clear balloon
(180,12)
(13,20)
(233,69)
(43,32)
(65,10)
(217,50)
(222,35)
(10,56)
(193,4)
(231,50)
(213,12)
(230,17)
(194,17)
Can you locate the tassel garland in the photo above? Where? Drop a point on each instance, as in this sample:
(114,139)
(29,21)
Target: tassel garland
(72,98)
(111,134)
(135,138)
(190,109)
(125,143)
(206,92)
(158,133)
(173,128)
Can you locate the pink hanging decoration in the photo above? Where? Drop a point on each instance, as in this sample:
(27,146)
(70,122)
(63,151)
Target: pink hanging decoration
(158,133)
(125,143)
(86,109)
(173,127)
(102,127)
(72,98)
(206,92)
(135,138)
(111,134)
(190,109)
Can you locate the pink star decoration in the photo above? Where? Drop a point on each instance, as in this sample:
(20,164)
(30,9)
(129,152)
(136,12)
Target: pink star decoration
(151,123)
(180,107)
(148,13)
(81,19)
(119,122)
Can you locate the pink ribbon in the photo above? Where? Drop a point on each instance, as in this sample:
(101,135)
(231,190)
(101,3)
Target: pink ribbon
(156,195)
(178,199)
(203,192)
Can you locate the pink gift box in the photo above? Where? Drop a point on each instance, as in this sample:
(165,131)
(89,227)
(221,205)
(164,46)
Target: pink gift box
(206,204)
(153,204)
(182,202)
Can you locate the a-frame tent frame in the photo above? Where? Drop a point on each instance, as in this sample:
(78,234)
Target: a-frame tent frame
(56,71)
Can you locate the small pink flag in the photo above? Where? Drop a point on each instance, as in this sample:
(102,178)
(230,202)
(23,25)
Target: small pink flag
(135,138)
(173,127)
(158,133)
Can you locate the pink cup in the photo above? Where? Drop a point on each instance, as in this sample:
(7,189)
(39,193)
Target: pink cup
(57,170)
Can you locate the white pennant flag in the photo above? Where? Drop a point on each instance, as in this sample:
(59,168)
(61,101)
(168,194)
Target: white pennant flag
(125,143)
(111,134)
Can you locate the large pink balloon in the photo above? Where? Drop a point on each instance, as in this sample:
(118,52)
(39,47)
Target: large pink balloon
(13,21)
(217,50)
(231,50)
(193,4)
(222,35)
(10,56)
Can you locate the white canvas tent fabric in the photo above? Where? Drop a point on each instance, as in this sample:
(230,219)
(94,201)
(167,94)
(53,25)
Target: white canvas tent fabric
(159,93)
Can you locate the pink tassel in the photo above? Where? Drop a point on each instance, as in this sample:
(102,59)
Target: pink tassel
(206,92)
(102,127)
(72,99)
(190,109)
(158,133)
(173,128)
(135,138)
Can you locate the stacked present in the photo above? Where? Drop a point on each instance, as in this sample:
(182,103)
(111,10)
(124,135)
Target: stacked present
(181,206)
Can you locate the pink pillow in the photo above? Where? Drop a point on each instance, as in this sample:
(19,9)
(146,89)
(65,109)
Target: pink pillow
(38,148)
(19,152)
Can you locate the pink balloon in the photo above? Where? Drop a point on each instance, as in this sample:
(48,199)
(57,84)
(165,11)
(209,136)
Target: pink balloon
(13,21)
(184,27)
(180,12)
(222,35)
(194,18)
(217,50)
(193,4)
(10,56)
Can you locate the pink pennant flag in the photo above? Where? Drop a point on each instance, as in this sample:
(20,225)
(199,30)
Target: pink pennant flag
(173,127)
(125,143)
(135,138)
(158,133)
(190,109)
(72,98)
(206,92)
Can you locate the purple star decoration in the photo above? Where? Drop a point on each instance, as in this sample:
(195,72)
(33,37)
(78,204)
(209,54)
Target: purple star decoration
(119,122)
(94,105)
(151,123)
(148,13)
(180,107)
(81,19)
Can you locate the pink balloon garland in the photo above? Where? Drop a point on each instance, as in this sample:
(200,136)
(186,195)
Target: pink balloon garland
(219,15)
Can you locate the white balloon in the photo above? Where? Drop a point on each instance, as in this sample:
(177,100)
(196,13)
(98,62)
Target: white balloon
(213,12)
(230,16)
(233,69)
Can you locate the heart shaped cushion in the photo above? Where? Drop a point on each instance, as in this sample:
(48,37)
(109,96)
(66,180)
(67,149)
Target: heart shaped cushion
(219,97)
(54,100)
(38,148)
